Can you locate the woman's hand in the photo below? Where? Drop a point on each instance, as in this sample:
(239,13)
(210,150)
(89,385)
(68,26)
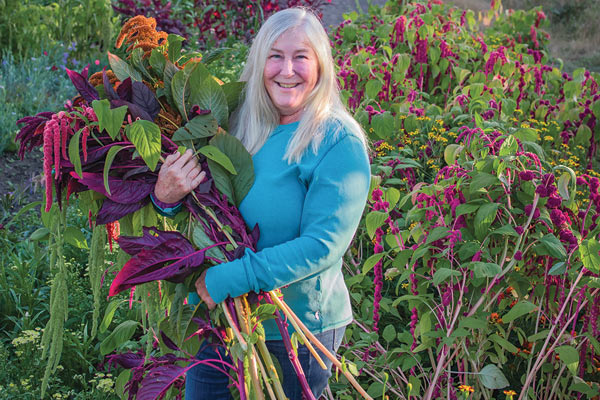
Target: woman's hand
(203,293)
(178,176)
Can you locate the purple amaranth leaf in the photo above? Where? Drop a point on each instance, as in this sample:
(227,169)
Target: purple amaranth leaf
(151,238)
(31,134)
(121,191)
(143,97)
(85,89)
(141,170)
(168,342)
(108,88)
(172,260)
(84,71)
(127,360)
(135,110)
(124,90)
(112,211)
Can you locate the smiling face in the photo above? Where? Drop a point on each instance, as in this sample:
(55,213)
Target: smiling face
(291,72)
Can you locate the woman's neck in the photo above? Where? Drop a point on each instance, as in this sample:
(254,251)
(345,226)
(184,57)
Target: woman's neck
(288,119)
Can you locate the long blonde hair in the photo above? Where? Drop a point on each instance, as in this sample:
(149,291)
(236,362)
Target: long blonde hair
(257,117)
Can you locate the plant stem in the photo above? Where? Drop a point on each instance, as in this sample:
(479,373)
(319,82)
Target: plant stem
(320,346)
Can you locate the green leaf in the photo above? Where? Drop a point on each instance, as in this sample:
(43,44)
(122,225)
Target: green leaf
(169,72)
(222,179)
(374,220)
(484,218)
(526,134)
(145,136)
(109,313)
(371,261)
(157,62)
(554,246)
(212,97)
(213,153)
(112,152)
(202,241)
(466,208)
(120,383)
(383,124)
(74,153)
(472,323)
(558,269)
(174,46)
(563,186)
(506,230)
(40,234)
(122,333)
(509,147)
(437,233)
(233,94)
(521,308)
(492,377)
(583,135)
(442,274)
(75,237)
(389,333)
(503,343)
(201,126)
(450,153)
(570,356)
(242,162)
(485,270)
(372,88)
(180,89)
(109,119)
(482,180)
(588,250)
(122,69)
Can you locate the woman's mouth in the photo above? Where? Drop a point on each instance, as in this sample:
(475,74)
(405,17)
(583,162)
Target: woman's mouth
(287,85)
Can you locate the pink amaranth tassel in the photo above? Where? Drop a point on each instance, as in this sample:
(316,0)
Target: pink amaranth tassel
(57,139)
(48,148)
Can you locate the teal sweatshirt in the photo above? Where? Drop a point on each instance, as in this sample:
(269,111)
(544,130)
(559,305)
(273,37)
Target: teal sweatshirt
(307,213)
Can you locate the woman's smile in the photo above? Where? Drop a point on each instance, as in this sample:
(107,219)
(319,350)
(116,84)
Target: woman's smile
(291,73)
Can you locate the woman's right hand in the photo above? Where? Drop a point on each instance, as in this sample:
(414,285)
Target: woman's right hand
(178,176)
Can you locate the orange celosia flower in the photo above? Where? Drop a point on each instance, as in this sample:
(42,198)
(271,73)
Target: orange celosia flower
(96,78)
(140,32)
(466,388)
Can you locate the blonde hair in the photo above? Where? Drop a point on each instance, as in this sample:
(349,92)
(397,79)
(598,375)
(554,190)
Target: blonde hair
(257,116)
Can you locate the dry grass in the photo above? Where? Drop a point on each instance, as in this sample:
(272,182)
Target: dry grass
(574,28)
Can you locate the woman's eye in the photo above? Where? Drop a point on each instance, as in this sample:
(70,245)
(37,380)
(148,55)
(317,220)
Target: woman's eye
(274,56)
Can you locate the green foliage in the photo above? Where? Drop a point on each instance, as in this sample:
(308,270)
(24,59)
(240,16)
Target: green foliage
(30,26)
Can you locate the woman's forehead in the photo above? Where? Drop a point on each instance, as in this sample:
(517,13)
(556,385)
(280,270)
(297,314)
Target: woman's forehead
(294,38)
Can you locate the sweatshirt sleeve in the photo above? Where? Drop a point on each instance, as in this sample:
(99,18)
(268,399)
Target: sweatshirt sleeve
(334,202)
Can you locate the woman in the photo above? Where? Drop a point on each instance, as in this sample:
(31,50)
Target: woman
(311,183)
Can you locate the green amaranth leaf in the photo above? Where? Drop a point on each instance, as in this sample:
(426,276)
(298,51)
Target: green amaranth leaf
(484,218)
(122,333)
(145,136)
(242,162)
(570,356)
(180,89)
(112,152)
(214,153)
(74,153)
(374,220)
(201,126)
(371,261)
(442,274)
(122,69)
(75,237)
(211,97)
(109,119)
(554,246)
(588,250)
(492,377)
(523,307)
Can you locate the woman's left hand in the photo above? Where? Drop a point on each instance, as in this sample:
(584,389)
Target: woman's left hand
(203,293)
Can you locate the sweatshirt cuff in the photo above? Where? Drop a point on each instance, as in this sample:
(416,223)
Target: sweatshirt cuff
(165,209)
(227,279)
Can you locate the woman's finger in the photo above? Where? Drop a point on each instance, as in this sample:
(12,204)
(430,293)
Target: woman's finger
(171,158)
(181,161)
(198,179)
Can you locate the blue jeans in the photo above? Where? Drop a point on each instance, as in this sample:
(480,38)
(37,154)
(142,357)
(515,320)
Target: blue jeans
(206,383)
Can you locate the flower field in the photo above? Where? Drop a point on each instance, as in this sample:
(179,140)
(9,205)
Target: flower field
(475,270)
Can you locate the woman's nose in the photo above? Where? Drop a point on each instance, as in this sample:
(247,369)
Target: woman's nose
(287,68)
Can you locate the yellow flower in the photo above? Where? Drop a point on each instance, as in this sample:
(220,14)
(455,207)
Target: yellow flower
(466,388)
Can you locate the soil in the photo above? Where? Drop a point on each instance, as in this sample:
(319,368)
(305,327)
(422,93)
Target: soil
(21,177)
